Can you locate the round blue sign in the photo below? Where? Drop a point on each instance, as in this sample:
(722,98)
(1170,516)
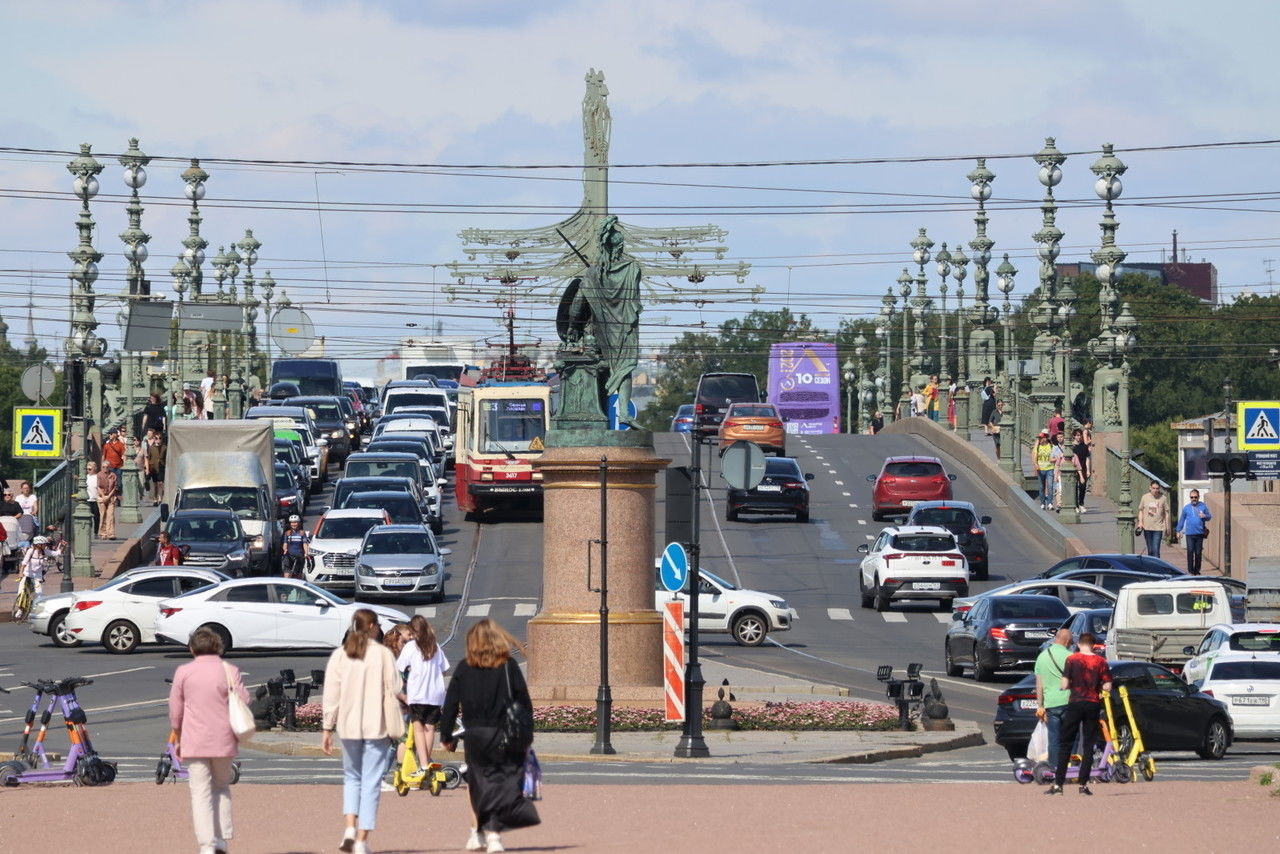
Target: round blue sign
(674,570)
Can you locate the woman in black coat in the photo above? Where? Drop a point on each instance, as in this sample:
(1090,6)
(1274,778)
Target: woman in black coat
(484,684)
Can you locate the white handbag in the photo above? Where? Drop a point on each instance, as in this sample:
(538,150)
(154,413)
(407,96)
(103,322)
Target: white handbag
(242,723)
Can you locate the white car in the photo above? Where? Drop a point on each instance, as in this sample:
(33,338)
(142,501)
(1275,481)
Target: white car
(1260,638)
(49,613)
(912,562)
(265,613)
(123,615)
(1249,683)
(1076,595)
(335,542)
(747,615)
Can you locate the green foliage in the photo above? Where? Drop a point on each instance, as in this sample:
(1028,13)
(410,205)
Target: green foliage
(12,363)
(1161,446)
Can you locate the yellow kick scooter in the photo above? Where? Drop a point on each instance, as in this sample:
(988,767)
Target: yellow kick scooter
(1132,758)
(406,777)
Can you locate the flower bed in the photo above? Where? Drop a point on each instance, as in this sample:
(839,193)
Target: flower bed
(787,716)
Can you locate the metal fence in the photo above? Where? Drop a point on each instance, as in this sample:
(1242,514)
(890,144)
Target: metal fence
(1139,477)
(52,491)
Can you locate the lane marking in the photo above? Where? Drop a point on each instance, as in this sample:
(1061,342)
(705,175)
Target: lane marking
(840,483)
(894,617)
(819,458)
(839,614)
(868,536)
(118,672)
(860,521)
(526,609)
(847,494)
(466,586)
(478,611)
(942,617)
(428,611)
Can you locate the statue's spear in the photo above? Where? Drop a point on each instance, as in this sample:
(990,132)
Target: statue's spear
(581,257)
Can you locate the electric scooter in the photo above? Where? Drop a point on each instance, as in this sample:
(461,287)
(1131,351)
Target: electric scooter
(1132,759)
(439,776)
(83,766)
(170,766)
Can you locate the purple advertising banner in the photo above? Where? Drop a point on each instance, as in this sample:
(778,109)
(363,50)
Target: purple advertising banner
(804,383)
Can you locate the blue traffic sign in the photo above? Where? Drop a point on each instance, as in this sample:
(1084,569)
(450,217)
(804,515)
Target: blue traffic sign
(614,424)
(37,432)
(674,570)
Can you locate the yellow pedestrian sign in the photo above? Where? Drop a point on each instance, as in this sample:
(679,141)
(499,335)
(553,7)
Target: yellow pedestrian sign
(37,432)
(1258,425)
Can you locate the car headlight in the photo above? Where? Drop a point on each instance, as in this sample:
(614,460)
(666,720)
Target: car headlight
(364,569)
(431,569)
(238,555)
(336,434)
(259,542)
(780,604)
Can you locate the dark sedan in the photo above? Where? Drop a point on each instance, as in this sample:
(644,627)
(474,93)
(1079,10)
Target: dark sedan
(332,423)
(289,495)
(1109,579)
(1001,633)
(400,506)
(682,421)
(1138,563)
(783,489)
(1171,714)
(960,518)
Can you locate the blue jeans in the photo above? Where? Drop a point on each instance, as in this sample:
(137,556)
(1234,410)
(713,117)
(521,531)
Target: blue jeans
(1053,722)
(1153,542)
(1195,550)
(364,764)
(1046,487)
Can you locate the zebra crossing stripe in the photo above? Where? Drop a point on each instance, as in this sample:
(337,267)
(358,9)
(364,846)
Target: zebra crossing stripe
(478,611)
(942,617)
(893,617)
(526,609)
(839,614)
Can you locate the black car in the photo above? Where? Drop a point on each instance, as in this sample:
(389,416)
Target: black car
(1109,579)
(350,485)
(1171,714)
(1001,633)
(714,394)
(400,506)
(960,518)
(1096,621)
(290,498)
(783,489)
(210,539)
(332,423)
(1138,563)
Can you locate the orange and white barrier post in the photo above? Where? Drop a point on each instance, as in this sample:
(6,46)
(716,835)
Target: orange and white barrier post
(673,659)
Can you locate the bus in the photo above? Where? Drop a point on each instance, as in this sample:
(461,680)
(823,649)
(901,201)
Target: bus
(804,383)
(311,376)
(501,428)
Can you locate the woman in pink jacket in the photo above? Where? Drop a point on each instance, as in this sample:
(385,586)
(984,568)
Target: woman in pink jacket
(206,742)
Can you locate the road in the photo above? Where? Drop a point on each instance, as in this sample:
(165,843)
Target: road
(495,570)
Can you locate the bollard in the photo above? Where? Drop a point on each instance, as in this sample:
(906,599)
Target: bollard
(1070,479)
(130,486)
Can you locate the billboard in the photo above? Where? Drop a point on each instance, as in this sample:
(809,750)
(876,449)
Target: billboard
(804,383)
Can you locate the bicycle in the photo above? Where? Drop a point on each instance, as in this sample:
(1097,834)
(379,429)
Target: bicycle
(83,765)
(25,599)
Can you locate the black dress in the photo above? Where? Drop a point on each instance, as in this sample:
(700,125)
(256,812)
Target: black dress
(495,779)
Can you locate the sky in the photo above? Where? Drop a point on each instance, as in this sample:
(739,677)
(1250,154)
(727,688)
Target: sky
(500,84)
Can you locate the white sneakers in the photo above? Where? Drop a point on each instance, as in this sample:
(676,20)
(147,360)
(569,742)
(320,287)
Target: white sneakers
(493,842)
(360,848)
(474,842)
(348,840)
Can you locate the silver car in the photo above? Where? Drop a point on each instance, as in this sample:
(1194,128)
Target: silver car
(401,560)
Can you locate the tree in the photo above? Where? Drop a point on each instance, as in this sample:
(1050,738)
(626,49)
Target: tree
(12,363)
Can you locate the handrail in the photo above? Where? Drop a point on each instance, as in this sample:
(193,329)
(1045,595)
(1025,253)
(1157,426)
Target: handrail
(1115,462)
(52,491)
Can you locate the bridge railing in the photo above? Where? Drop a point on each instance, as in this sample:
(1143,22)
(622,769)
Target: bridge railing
(52,491)
(1139,477)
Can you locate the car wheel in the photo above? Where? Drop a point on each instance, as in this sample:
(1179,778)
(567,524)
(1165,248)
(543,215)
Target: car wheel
(439,597)
(954,669)
(881,597)
(223,635)
(981,575)
(58,631)
(877,516)
(730,515)
(121,637)
(437,527)
(802,516)
(981,673)
(749,629)
(863,593)
(1216,740)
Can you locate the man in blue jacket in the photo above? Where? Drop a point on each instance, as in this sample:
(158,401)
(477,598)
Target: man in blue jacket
(1191,525)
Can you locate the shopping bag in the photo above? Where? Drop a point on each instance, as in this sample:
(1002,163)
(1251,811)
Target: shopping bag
(532,776)
(1038,747)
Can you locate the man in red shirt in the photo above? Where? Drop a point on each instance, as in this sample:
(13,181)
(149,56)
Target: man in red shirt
(113,451)
(167,554)
(1086,675)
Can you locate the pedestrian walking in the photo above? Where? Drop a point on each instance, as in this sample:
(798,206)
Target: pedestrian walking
(28,501)
(295,548)
(1056,423)
(1057,454)
(1051,697)
(424,690)
(993,423)
(920,401)
(37,561)
(485,684)
(108,491)
(877,422)
(951,406)
(1042,456)
(360,705)
(153,415)
(1084,466)
(91,491)
(207,745)
(1191,525)
(1086,675)
(206,395)
(9,507)
(988,395)
(153,456)
(113,451)
(931,397)
(1153,518)
(167,554)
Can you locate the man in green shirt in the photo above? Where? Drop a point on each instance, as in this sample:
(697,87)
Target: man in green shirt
(1051,697)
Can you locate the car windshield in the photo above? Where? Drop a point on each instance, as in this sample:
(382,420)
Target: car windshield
(346,528)
(1028,609)
(322,593)
(393,447)
(400,508)
(781,466)
(399,543)
(727,389)
(923,543)
(913,469)
(1099,624)
(1266,640)
(685,410)
(284,480)
(241,500)
(326,412)
(397,399)
(1264,669)
(342,490)
(382,468)
(943,516)
(749,410)
(717,579)
(204,530)
(512,424)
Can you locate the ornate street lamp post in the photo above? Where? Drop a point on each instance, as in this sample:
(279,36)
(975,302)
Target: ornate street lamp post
(193,244)
(1047,386)
(850,390)
(135,382)
(982,341)
(922,303)
(268,291)
(944,271)
(884,331)
(959,270)
(1010,452)
(904,288)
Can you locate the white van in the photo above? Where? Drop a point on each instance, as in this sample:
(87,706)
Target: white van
(1157,620)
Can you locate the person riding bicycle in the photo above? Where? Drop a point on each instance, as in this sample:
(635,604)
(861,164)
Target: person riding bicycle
(37,561)
(296,548)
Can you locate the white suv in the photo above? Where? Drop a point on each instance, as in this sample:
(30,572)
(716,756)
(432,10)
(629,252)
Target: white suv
(334,545)
(748,615)
(912,562)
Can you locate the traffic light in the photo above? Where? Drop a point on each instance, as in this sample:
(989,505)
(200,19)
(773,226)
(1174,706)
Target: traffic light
(1231,465)
(73,375)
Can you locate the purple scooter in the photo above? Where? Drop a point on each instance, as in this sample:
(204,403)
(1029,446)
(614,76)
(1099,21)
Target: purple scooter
(170,766)
(83,765)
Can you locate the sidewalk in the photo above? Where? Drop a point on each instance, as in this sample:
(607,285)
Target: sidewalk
(101,553)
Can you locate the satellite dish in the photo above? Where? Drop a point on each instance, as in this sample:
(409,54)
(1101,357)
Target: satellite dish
(38,382)
(292,330)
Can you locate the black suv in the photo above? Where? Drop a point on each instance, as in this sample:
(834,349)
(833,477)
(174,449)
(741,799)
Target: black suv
(960,518)
(332,423)
(715,393)
(1001,633)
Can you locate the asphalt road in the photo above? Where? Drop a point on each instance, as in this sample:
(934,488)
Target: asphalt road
(495,571)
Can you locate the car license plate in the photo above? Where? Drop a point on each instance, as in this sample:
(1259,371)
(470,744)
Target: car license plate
(926,585)
(910,502)
(769,487)
(753,427)
(1037,635)
(1244,700)
(1027,704)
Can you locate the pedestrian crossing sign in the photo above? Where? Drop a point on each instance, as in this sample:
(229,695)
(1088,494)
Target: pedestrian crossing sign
(37,432)
(1258,425)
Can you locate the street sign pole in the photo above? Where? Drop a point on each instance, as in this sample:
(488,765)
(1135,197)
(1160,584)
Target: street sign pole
(692,745)
(604,696)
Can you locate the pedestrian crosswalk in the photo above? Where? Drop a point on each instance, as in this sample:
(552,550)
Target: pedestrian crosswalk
(845,615)
(497,609)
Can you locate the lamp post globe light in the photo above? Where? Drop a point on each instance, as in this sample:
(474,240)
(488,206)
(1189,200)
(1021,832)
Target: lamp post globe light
(922,303)
(82,344)
(850,376)
(943,267)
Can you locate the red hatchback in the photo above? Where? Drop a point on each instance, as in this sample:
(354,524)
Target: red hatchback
(904,481)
